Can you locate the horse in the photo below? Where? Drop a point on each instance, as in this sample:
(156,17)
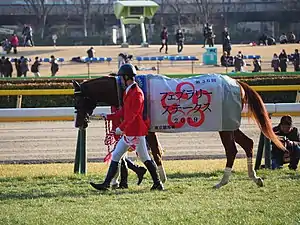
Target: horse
(106,90)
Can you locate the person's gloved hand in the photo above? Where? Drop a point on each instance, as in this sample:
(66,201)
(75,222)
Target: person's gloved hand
(103,115)
(289,143)
(118,131)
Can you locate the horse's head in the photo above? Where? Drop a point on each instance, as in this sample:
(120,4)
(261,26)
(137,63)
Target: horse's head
(89,93)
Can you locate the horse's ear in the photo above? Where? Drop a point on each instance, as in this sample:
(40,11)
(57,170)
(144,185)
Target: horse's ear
(76,85)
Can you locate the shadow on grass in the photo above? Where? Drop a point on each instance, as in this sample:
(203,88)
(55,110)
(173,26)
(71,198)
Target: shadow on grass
(194,175)
(31,196)
(86,191)
(292,176)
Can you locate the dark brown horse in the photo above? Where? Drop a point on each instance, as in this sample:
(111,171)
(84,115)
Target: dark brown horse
(105,90)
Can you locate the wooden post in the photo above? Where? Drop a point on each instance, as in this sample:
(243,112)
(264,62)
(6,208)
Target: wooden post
(80,165)
(260,151)
(192,66)
(88,65)
(267,153)
(19,101)
(298,97)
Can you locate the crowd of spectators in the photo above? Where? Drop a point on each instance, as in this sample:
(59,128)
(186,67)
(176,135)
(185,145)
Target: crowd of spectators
(22,66)
(279,61)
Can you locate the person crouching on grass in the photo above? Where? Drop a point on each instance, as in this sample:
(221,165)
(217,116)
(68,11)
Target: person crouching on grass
(290,136)
(133,130)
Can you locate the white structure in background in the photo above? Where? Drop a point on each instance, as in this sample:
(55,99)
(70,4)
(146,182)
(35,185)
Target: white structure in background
(134,12)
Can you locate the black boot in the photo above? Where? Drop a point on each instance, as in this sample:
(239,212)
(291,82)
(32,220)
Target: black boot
(113,168)
(139,170)
(124,175)
(157,185)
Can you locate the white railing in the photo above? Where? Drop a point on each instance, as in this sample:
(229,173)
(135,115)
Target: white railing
(274,108)
(67,113)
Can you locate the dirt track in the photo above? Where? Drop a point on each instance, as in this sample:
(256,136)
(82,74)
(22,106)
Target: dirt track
(56,141)
(70,68)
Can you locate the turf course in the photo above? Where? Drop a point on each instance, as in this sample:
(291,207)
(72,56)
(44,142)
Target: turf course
(51,194)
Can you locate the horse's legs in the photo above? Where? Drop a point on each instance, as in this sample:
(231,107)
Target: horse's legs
(157,154)
(247,144)
(227,139)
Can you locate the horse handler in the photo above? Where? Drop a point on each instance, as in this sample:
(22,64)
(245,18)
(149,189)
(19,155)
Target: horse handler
(133,128)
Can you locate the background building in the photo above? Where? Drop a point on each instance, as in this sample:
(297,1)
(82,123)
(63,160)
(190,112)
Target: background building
(92,21)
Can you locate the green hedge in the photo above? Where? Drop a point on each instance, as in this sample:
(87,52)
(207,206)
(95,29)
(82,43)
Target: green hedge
(65,83)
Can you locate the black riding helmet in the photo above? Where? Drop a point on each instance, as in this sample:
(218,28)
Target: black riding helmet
(127,71)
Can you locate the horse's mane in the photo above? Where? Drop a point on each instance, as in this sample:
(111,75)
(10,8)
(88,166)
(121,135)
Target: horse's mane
(91,81)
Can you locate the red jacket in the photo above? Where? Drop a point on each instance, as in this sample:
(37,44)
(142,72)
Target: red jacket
(14,41)
(133,123)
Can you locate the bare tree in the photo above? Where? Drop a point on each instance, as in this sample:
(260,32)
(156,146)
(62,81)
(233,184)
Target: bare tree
(84,8)
(99,14)
(162,11)
(41,8)
(204,10)
(178,7)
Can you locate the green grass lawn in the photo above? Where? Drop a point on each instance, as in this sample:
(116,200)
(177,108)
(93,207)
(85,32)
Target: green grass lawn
(51,194)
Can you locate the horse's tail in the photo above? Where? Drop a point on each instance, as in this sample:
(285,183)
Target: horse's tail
(258,111)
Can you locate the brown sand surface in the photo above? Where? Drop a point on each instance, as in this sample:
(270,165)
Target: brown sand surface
(71,68)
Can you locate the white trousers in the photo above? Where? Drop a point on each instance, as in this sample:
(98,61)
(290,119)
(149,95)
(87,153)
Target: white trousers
(122,147)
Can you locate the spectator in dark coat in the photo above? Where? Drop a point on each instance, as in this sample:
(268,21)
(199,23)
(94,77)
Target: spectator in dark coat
(292,38)
(283,58)
(224,59)
(179,40)
(8,69)
(226,41)
(242,55)
(296,60)
(2,60)
(27,34)
(263,39)
(256,65)
(6,45)
(283,39)
(290,137)
(54,66)
(35,67)
(164,39)
(18,67)
(91,52)
(24,67)
(210,36)
(238,63)
(275,63)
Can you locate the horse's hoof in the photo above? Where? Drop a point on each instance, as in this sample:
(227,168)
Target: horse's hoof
(259,182)
(219,185)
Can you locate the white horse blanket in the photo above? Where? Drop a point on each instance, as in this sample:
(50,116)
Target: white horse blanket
(200,103)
